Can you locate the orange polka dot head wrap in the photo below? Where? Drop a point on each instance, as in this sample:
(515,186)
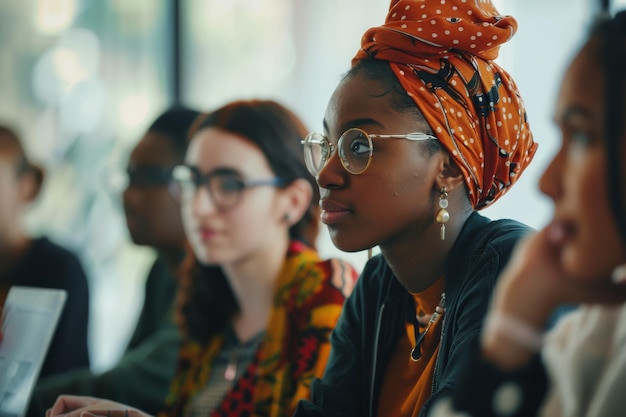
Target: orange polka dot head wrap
(441,52)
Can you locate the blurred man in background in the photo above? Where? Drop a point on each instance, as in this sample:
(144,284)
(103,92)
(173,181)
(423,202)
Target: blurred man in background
(151,206)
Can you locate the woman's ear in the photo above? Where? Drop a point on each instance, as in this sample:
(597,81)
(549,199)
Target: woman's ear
(450,175)
(298,195)
(30,185)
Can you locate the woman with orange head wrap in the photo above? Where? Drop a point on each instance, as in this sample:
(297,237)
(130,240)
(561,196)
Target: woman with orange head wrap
(422,132)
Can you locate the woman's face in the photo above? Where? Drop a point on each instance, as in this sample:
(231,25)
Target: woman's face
(224,236)
(152,212)
(12,199)
(583,229)
(394,200)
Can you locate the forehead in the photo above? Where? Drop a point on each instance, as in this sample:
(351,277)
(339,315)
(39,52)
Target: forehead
(582,88)
(9,146)
(9,154)
(359,101)
(154,149)
(213,148)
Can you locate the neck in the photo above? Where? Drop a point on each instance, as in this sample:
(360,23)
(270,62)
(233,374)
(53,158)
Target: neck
(418,262)
(253,281)
(173,256)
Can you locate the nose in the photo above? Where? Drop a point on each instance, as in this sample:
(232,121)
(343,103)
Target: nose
(333,174)
(130,196)
(202,203)
(551,181)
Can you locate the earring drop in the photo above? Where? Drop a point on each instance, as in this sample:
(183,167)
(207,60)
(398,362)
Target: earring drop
(619,274)
(442,215)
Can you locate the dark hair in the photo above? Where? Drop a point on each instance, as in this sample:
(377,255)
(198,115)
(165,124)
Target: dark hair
(207,303)
(24,166)
(375,69)
(612,32)
(174,123)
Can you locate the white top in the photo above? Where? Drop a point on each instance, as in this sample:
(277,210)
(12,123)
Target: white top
(585,356)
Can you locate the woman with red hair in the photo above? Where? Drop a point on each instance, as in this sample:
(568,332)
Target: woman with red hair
(257,303)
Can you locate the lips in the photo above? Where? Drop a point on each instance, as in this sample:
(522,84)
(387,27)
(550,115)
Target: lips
(333,212)
(206,233)
(560,231)
(132,218)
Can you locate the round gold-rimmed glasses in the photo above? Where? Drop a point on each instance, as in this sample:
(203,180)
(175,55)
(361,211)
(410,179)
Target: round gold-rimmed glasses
(355,149)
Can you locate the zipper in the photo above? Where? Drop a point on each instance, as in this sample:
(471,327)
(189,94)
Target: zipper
(376,337)
(434,383)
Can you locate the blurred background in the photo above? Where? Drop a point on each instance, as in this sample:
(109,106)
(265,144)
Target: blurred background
(82,79)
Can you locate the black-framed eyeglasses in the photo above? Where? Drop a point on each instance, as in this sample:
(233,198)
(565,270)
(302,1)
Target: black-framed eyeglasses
(355,149)
(116,179)
(149,176)
(225,186)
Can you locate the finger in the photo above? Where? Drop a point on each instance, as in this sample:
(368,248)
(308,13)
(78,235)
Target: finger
(95,413)
(66,403)
(111,412)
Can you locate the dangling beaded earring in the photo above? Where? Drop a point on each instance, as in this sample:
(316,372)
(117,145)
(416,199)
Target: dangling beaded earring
(619,274)
(442,215)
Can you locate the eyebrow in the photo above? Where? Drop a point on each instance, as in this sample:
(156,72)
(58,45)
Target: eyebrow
(217,171)
(573,113)
(356,123)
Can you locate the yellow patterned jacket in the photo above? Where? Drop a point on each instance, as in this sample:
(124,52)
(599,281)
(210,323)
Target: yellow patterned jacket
(308,301)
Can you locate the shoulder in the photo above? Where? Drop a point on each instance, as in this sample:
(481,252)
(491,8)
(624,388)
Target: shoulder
(481,251)
(375,271)
(335,275)
(481,232)
(505,232)
(376,284)
(482,237)
(44,248)
(60,264)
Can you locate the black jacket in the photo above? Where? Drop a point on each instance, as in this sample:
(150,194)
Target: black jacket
(143,375)
(375,314)
(49,265)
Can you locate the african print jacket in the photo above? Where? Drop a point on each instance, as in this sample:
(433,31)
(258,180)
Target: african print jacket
(309,298)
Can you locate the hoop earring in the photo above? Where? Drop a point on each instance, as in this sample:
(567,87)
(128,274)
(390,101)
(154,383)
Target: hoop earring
(442,215)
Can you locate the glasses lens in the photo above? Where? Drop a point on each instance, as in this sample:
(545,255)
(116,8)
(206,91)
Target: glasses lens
(355,150)
(316,152)
(115,179)
(186,180)
(149,176)
(225,189)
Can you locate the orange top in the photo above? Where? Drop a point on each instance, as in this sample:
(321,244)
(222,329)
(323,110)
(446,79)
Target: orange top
(408,384)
